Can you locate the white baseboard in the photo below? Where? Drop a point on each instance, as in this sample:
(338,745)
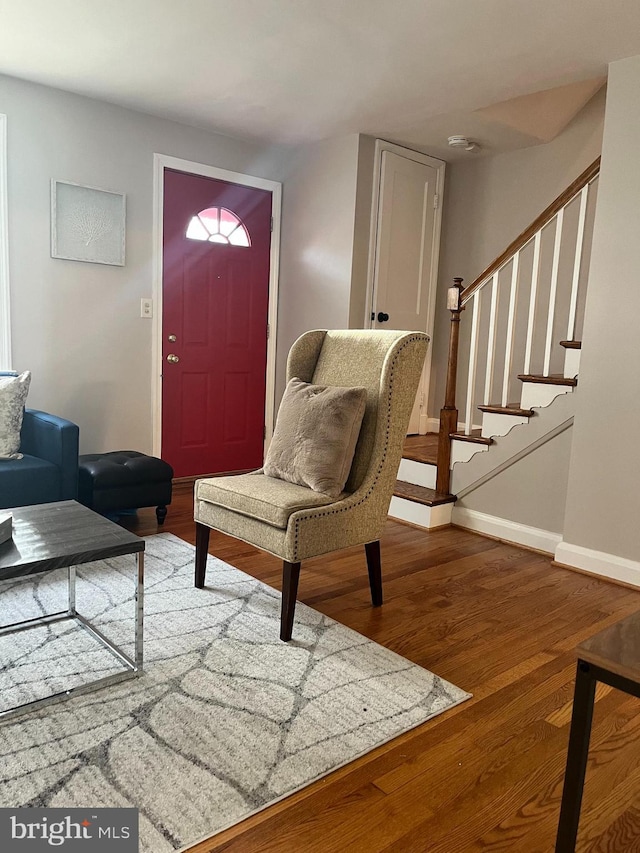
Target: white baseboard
(598,563)
(510,531)
(424,422)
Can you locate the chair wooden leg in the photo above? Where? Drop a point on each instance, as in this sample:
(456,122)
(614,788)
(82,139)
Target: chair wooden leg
(372,550)
(202,548)
(290,575)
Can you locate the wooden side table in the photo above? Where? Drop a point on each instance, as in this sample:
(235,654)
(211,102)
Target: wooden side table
(612,657)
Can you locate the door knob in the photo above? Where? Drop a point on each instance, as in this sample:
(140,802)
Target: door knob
(174,359)
(382,317)
(173,339)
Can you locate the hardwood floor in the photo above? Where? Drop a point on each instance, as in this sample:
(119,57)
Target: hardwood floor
(498,621)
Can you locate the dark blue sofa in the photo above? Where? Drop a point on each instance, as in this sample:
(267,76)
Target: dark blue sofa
(48,470)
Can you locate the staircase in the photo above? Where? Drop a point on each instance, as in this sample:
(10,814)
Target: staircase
(517,355)
(415,499)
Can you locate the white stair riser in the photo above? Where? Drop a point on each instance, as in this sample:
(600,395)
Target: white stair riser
(417,473)
(494,424)
(572,363)
(537,395)
(419,514)
(462,451)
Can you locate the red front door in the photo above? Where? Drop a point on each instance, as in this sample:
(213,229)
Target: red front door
(215,283)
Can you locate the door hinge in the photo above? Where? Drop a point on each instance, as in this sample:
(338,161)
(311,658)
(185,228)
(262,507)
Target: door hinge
(436,201)
(264,431)
(268,331)
(421,401)
(271,228)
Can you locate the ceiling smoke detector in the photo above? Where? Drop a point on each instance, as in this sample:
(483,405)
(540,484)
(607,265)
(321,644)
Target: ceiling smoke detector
(463,142)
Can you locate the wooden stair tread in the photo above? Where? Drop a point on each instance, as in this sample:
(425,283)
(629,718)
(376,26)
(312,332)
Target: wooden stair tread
(554,379)
(418,457)
(475,436)
(421,448)
(421,494)
(509,409)
(571,344)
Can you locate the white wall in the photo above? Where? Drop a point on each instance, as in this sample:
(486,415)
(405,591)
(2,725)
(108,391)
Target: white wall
(522,493)
(77,326)
(604,475)
(319,203)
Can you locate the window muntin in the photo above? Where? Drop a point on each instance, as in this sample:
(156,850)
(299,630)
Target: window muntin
(218,225)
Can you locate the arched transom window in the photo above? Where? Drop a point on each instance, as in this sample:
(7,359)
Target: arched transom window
(218,225)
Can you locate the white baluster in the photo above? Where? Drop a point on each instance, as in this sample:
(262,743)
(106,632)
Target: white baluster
(493,329)
(473,358)
(535,274)
(573,305)
(508,355)
(552,293)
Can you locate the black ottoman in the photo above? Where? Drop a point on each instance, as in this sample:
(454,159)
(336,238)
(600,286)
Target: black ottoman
(122,480)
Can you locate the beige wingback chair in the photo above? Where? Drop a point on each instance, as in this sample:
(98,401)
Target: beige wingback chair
(295,523)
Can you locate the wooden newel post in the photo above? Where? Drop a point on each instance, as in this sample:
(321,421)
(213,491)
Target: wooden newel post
(449,414)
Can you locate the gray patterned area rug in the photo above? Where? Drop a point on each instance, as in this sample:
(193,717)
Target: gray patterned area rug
(225,720)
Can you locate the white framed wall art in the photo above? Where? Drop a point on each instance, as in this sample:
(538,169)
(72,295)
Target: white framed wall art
(87,224)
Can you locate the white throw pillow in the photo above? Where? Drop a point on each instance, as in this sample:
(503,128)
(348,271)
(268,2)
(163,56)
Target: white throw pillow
(13,395)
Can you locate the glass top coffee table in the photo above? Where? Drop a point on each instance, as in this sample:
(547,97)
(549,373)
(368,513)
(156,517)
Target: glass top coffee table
(65,535)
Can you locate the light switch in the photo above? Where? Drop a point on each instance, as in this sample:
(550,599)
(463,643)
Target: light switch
(146,308)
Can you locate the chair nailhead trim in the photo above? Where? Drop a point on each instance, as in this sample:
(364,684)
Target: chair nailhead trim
(380,467)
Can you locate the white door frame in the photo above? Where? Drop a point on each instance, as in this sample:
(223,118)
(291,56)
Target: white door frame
(160,163)
(439,165)
(5,306)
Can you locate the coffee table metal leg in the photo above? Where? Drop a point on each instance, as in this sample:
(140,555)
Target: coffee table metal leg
(139,611)
(133,665)
(72,591)
(577,756)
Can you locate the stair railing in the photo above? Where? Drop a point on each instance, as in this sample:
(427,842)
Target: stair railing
(545,270)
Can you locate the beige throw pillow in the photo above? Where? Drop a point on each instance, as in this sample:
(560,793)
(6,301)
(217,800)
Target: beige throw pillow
(13,395)
(316,435)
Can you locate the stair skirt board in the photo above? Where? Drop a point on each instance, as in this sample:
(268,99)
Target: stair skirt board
(462,451)
(417,473)
(420,515)
(572,363)
(598,563)
(509,531)
(494,424)
(538,396)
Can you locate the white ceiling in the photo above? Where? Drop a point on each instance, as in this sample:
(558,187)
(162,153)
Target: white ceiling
(298,70)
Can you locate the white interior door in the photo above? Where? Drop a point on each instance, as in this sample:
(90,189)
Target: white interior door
(406,253)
